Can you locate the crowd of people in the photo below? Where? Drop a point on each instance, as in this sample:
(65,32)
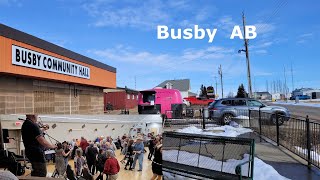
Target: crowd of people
(97,157)
(93,158)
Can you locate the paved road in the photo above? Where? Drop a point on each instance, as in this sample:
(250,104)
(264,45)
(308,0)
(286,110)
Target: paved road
(303,111)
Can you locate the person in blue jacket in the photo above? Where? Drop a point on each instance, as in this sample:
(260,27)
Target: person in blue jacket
(138,149)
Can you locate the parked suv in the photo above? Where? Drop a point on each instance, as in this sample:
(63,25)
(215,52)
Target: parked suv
(301,97)
(228,108)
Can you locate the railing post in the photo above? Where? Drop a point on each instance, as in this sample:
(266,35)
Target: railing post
(308,141)
(249,116)
(163,120)
(203,120)
(277,125)
(260,126)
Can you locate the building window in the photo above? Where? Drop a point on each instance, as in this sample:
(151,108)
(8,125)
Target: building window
(128,96)
(137,97)
(132,96)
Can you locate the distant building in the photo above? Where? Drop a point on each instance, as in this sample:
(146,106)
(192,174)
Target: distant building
(121,98)
(262,95)
(192,94)
(304,91)
(183,85)
(278,96)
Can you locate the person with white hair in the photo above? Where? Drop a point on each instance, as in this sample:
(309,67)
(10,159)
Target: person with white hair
(111,166)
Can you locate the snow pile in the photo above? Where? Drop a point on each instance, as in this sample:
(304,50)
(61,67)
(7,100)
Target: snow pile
(227,131)
(314,155)
(262,171)
(297,104)
(234,124)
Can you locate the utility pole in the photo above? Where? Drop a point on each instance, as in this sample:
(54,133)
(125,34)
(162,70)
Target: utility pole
(247,56)
(215,77)
(292,78)
(285,83)
(135,82)
(220,73)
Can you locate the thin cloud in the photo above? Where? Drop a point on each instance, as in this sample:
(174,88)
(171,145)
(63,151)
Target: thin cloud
(10,3)
(304,38)
(146,14)
(260,51)
(187,60)
(306,35)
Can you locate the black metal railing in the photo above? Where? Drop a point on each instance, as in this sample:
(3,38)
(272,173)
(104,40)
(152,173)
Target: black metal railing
(299,135)
(189,117)
(205,156)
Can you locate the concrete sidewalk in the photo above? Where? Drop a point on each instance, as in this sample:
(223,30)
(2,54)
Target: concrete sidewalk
(287,164)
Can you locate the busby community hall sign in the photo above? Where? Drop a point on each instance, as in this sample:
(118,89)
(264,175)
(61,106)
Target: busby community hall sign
(36,60)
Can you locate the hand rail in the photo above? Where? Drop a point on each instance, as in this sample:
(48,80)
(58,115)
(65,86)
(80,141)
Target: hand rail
(238,169)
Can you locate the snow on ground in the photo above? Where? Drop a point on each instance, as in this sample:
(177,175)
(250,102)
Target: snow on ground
(262,171)
(297,104)
(314,155)
(227,131)
(242,117)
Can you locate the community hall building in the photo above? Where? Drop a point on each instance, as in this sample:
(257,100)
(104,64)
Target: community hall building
(65,88)
(39,77)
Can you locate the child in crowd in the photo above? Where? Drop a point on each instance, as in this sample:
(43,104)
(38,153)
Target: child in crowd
(79,162)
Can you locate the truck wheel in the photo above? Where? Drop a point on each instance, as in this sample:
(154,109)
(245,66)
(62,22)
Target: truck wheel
(281,119)
(226,118)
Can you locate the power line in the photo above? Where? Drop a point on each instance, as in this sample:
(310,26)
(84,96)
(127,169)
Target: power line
(280,5)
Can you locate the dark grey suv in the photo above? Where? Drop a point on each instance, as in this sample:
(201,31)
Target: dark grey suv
(229,108)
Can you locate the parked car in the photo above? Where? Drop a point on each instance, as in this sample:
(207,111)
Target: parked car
(301,97)
(229,108)
(198,100)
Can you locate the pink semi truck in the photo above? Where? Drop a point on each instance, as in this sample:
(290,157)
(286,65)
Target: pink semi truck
(160,101)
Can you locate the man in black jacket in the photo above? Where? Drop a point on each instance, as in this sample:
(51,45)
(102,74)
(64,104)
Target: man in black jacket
(91,156)
(34,143)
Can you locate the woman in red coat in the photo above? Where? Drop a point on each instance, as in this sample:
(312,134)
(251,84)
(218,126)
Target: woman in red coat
(111,166)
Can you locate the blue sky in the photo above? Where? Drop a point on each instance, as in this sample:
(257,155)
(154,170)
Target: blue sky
(123,34)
